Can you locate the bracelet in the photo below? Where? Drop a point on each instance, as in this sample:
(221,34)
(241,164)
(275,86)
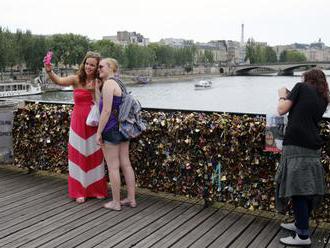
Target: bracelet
(49,71)
(282,98)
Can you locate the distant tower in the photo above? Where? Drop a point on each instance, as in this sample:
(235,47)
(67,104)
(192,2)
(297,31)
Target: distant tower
(242,45)
(242,34)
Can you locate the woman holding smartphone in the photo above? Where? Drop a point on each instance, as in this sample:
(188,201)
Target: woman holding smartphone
(86,167)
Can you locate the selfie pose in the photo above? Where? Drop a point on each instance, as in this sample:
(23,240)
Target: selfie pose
(86,167)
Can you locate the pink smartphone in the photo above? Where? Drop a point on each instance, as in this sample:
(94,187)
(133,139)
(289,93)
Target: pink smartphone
(48,57)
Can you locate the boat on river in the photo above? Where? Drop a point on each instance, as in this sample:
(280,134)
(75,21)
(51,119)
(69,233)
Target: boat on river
(142,79)
(13,88)
(203,84)
(67,88)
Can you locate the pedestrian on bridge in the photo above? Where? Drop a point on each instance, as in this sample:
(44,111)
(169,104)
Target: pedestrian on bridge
(300,176)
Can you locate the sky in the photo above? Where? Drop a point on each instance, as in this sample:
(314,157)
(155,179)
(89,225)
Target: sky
(277,22)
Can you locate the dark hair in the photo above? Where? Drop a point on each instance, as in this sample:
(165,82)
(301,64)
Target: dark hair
(317,78)
(81,72)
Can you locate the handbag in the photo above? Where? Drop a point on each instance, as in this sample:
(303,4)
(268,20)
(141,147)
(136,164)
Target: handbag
(93,116)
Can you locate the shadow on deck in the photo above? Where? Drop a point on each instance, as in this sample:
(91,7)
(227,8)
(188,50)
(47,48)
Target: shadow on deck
(35,212)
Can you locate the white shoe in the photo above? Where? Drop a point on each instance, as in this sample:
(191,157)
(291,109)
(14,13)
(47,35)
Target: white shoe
(289,226)
(295,241)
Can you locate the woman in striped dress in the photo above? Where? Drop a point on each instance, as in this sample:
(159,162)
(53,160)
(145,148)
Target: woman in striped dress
(86,168)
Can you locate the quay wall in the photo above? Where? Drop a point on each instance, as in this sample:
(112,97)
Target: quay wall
(215,156)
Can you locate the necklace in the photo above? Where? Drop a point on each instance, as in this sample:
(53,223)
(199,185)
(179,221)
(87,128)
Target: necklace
(90,83)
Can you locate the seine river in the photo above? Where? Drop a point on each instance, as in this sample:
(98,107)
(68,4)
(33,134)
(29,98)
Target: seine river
(240,94)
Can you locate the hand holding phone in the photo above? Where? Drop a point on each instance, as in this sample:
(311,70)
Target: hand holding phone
(48,58)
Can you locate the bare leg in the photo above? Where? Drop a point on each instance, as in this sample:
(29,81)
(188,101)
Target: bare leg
(111,155)
(129,175)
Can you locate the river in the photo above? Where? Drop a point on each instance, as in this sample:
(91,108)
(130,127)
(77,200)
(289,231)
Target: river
(242,94)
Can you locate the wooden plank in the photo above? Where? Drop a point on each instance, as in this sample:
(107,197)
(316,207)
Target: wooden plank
(20,208)
(51,224)
(4,174)
(114,235)
(275,240)
(80,229)
(17,186)
(12,191)
(16,200)
(250,233)
(19,183)
(200,230)
(320,238)
(153,227)
(14,183)
(169,227)
(98,237)
(217,230)
(35,217)
(33,200)
(12,178)
(266,235)
(230,235)
(181,231)
(25,193)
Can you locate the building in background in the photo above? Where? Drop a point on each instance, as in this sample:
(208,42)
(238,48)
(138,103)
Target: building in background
(125,38)
(316,51)
(177,43)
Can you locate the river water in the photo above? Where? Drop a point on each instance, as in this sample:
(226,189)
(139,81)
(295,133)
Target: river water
(240,94)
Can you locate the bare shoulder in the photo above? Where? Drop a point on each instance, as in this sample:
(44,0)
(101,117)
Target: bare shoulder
(110,83)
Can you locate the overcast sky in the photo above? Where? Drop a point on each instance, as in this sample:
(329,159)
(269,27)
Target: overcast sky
(272,21)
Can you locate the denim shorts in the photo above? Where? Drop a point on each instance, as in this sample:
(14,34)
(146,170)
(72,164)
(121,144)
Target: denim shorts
(113,136)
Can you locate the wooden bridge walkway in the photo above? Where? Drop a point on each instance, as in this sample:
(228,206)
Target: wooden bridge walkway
(35,212)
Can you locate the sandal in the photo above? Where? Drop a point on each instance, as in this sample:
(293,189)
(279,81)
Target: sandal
(110,205)
(129,203)
(80,200)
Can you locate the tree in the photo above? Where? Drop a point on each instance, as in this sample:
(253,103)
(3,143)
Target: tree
(257,53)
(292,56)
(69,49)
(137,56)
(164,55)
(284,56)
(109,49)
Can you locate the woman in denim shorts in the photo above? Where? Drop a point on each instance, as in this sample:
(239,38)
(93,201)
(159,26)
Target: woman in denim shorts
(114,145)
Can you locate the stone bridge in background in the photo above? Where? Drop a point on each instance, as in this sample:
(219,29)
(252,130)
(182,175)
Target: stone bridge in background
(284,69)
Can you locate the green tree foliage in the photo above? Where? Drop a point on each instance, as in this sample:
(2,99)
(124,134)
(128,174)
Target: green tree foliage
(8,49)
(69,49)
(292,56)
(33,49)
(258,54)
(109,49)
(138,56)
(204,57)
(164,55)
(284,56)
(209,56)
(185,56)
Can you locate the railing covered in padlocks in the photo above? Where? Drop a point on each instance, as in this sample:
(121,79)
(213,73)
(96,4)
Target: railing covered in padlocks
(215,156)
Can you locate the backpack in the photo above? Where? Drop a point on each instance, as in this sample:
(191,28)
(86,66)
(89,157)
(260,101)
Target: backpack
(130,121)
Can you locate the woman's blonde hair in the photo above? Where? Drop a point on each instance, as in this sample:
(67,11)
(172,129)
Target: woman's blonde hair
(113,63)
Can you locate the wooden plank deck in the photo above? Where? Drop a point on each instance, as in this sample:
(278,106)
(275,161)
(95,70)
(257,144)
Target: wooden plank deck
(35,212)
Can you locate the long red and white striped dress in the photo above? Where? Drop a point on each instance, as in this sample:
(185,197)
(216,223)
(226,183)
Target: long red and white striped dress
(86,167)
